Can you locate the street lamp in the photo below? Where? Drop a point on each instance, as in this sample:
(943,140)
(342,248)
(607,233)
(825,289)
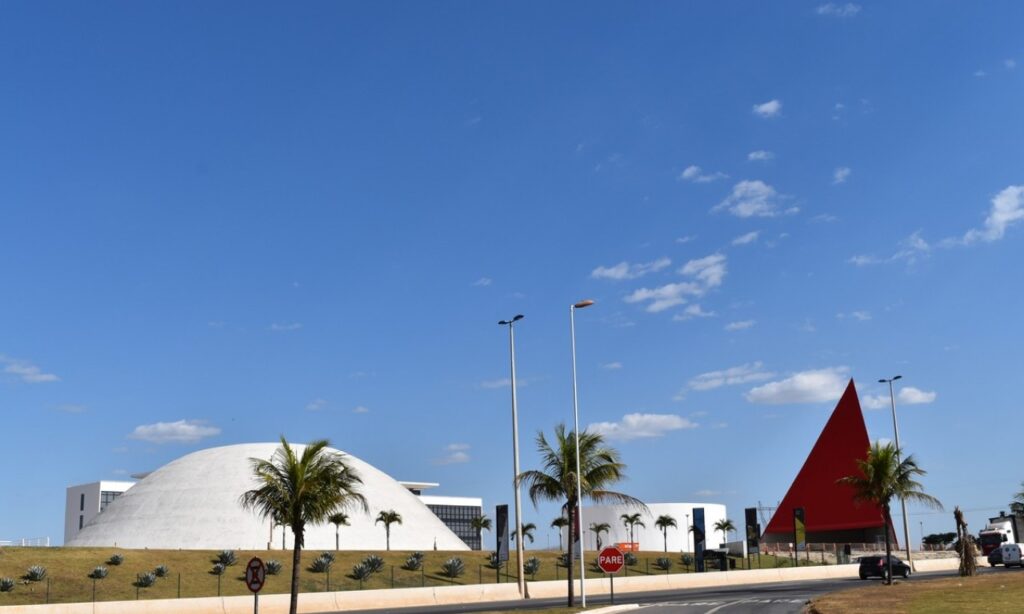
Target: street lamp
(515,452)
(896,431)
(576,421)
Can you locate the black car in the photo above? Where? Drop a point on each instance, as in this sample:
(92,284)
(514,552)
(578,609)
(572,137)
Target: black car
(877,566)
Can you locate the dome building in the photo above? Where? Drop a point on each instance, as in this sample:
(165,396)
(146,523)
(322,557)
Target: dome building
(193,503)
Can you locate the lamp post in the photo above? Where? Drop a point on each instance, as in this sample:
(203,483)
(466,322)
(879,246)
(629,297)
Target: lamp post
(896,431)
(688,532)
(515,453)
(576,431)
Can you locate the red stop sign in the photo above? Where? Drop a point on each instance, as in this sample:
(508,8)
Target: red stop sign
(610,560)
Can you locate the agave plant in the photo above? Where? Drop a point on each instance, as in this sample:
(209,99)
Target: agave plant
(453,568)
(687,559)
(6,585)
(35,573)
(98,573)
(273,567)
(160,571)
(361,572)
(494,562)
(531,566)
(145,580)
(663,563)
(374,563)
(322,563)
(218,569)
(563,559)
(413,563)
(417,555)
(226,558)
(115,559)
(630,559)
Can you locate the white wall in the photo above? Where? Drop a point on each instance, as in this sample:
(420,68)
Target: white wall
(78,512)
(650,537)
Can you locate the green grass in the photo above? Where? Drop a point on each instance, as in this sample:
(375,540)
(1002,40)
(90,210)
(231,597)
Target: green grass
(68,569)
(994,593)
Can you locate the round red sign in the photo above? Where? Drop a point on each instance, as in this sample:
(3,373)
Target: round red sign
(610,560)
(255,574)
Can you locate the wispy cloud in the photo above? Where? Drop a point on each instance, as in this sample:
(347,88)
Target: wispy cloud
(750,237)
(316,405)
(813,386)
(910,250)
(455,453)
(686,239)
(691,312)
(860,315)
(908,395)
(694,174)
(706,273)
(761,155)
(840,175)
(1007,209)
(71,408)
(612,366)
(839,10)
(709,270)
(641,426)
(359,409)
(739,325)
(772,108)
(625,270)
(483,281)
(743,374)
(491,384)
(182,431)
(285,327)
(1009,63)
(753,199)
(26,371)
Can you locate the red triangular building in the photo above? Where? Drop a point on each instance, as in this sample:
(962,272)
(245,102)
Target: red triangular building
(830,512)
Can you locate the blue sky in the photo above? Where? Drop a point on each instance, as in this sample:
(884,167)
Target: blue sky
(225,222)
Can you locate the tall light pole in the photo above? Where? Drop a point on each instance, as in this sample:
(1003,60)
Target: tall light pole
(896,431)
(688,532)
(515,453)
(576,423)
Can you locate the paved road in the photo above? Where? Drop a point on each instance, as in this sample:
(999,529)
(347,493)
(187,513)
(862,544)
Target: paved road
(777,598)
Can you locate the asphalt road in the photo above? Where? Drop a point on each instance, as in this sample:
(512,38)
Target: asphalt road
(776,598)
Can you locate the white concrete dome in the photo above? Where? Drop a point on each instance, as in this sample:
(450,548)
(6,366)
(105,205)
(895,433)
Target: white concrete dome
(193,503)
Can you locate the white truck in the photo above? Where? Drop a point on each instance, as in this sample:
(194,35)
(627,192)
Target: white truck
(1001,530)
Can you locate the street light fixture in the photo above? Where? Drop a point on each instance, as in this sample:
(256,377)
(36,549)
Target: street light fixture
(515,452)
(896,431)
(576,431)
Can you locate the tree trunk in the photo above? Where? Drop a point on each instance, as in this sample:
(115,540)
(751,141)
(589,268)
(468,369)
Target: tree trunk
(336,540)
(387,536)
(665,533)
(293,606)
(569,550)
(888,544)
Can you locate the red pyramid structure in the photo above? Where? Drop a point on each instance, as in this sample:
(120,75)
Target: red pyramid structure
(830,512)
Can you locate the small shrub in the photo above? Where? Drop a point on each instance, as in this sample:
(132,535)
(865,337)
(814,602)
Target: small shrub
(361,572)
(413,563)
(35,573)
(631,559)
(531,566)
(218,569)
(687,559)
(374,563)
(453,568)
(226,558)
(563,559)
(321,563)
(98,573)
(494,562)
(417,555)
(273,567)
(115,560)
(160,571)
(145,580)
(663,563)
(6,585)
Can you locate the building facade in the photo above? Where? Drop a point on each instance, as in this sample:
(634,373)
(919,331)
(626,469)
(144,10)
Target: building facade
(87,501)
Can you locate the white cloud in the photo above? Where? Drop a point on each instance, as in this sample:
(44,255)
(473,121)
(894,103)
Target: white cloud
(709,270)
(182,431)
(750,237)
(491,384)
(914,396)
(26,371)
(875,402)
(839,10)
(686,239)
(772,108)
(693,311)
(284,327)
(483,281)
(860,315)
(910,249)
(740,325)
(1007,209)
(455,453)
(814,386)
(316,405)
(840,175)
(360,410)
(696,175)
(612,366)
(980,73)
(625,270)
(752,199)
(743,374)
(639,426)
(761,155)
(664,297)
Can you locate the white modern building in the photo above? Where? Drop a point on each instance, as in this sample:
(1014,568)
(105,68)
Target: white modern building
(649,537)
(193,503)
(457,513)
(86,501)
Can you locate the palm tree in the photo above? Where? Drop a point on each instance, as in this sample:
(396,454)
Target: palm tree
(338,520)
(300,488)
(598,528)
(725,526)
(600,467)
(480,524)
(630,521)
(664,522)
(1017,506)
(388,517)
(881,477)
(528,530)
(560,523)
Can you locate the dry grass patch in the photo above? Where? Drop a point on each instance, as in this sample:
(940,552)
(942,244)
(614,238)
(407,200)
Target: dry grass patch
(992,593)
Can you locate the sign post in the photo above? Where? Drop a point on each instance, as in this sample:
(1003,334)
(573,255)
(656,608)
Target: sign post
(611,560)
(255,577)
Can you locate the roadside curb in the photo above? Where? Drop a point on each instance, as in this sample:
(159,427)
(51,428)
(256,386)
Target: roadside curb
(616,608)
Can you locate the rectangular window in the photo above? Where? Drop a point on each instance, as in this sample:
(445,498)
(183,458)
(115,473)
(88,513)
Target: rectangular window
(81,520)
(81,503)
